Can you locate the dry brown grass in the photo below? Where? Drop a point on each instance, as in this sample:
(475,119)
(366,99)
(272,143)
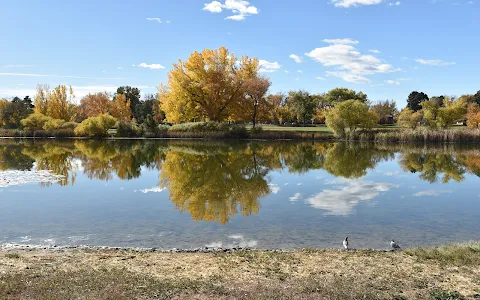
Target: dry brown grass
(307,274)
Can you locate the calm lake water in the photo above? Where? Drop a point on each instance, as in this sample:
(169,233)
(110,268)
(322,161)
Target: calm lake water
(188,194)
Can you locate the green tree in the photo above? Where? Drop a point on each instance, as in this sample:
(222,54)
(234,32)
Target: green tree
(15,111)
(386,110)
(95,126)
(338,95)
(453,111)
(350,115)
(430,112)
(415,99)
(302,105)
(132,94)
(35,121)
(409,119)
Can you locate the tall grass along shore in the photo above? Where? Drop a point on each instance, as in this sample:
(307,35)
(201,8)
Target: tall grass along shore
(447,272)
(213,130)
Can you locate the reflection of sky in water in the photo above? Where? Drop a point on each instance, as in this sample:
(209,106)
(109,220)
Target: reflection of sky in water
(312,208)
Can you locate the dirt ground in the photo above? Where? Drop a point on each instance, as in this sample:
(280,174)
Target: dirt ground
(253,274)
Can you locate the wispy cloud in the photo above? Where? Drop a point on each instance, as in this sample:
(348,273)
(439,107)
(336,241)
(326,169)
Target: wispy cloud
(60,76)
(349,3)
(158,20)
(296,58)
(394,3)
(374,51)
(151,66)
(434,62)
(18,66)
(240,9)
(393,82)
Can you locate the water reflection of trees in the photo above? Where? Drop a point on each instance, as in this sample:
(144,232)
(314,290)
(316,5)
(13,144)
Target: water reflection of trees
(215,181)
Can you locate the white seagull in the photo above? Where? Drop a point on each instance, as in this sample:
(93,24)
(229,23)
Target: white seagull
(394,245)
(345,243)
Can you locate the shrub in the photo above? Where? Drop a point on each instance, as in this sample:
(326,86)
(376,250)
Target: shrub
(53,124)
(69,125)
(256,130)
(35,121)
(95,126)
(200,127)
(128,129)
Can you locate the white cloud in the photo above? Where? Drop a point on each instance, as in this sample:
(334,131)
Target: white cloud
(296,58)
(374,51)
(151,66)
(268,67)
(287,71)
(348,3)
(342,200)
(240,9)
(394,3)
(341,41)
(158,20)
(405,79)
(432,193)
(119,68)
(434,62)
(59,76)
(320,78)
(348,77)
(295,197)
(213,7)
(351,65)
(299,71)
(392,82)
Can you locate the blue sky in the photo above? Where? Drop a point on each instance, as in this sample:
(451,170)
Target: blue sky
(384,48)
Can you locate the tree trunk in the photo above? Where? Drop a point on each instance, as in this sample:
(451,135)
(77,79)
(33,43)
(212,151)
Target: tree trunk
(254,119)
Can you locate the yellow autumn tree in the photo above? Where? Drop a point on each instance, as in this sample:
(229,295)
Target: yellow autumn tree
(473,115)
(3,104)
(120,108)
(209,85)
(60,104)
(41,99)
(57,103)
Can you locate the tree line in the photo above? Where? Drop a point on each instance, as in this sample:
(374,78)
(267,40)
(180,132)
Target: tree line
(215,85)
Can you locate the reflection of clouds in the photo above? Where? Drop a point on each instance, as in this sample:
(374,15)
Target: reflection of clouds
(152,190)
(236,240)
(274,188)
(342,200)
(395,173)
(432,193)
(9,178)
(296,197)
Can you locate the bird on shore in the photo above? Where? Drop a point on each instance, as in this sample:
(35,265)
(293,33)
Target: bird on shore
(394,245)
(345,243)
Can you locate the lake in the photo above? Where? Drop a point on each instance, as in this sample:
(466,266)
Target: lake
(187,194)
